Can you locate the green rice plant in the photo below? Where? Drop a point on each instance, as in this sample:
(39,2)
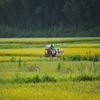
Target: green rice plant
(13,59)
(59,67)
(81,68)
(18,79)
(36,79)
(19,62)
(51,91)
(69,70)
(89,56)
(95,68)
(84,58)
(61,71)
(47,78)
(51,58)
(87,77)
(64,58)
(49,40)
(96,57)
(33,68)
(75,57)
(25,64)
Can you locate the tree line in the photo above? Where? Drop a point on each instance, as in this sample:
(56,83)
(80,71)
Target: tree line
(44,17)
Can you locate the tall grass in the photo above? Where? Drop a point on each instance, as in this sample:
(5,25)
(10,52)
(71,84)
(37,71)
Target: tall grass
(31,60)
(53,72)
(39,52)
(49,40)
(49,78)
(51,91)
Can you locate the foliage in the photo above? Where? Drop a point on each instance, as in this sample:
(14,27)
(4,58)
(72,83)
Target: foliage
(59,67)
(85,77)
(96,57)
(13,59)
(19,62)
(51,91)
(33,68)
(47,78)
(64,58)
(49,72)
(75,57)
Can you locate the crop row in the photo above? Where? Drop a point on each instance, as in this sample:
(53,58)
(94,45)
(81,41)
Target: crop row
(51,91)
(48,40)
(59,71)
(57,45)
(75,57)
(41,51)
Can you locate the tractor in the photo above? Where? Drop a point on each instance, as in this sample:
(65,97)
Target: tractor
(53,52)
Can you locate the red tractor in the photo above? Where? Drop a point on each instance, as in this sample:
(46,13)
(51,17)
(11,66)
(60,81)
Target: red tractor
(53,52)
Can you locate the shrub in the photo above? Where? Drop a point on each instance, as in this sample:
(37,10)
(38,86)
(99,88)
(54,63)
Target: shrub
(75,58)
(90,58)
(47,78)
(59,67)
(13,59)
(69,70)
(85,77)
(33,68)
(19,61)
(18,79)
(81,68)
(84,58)
(64,58)
(96,57)
(36,79)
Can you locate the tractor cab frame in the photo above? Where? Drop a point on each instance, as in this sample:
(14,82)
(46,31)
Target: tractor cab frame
(53,52)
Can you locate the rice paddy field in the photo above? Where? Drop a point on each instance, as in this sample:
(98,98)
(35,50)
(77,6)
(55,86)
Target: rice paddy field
(26,74)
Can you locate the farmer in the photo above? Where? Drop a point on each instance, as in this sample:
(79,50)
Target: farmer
(51,49)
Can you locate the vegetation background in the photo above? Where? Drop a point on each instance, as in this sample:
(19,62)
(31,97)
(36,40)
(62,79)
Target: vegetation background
(49,18)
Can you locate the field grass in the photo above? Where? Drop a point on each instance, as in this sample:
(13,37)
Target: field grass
(27,75)
(51,91)
(84,45)
(35,47)
(69,69)
(49,40)
(41,51)
(25,51)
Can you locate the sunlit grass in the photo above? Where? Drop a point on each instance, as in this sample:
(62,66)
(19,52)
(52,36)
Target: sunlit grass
(51,91)
(27,58)
(41,51)
(86,45)
(33,58)
(47,40)
(81,51)
(25,51)
(67,69)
